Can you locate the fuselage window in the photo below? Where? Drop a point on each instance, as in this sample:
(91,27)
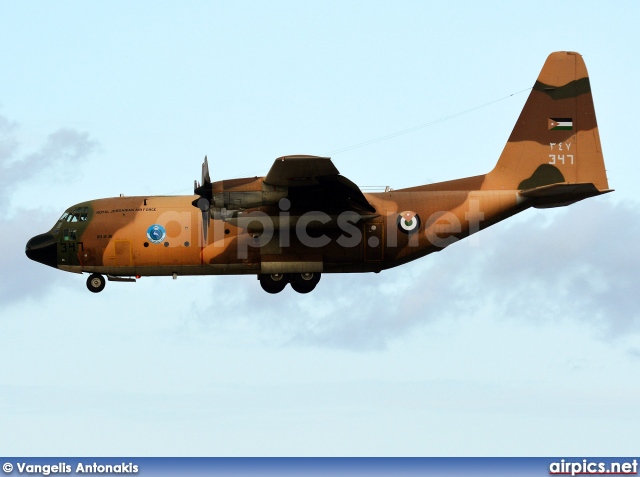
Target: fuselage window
(69,234)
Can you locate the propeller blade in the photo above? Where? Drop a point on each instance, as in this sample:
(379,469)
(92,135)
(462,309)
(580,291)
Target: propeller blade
(205,191)
(205,227)
(206,179)
(203,205)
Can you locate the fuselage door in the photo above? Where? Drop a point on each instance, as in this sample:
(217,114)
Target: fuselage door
(123,253)
(373,241)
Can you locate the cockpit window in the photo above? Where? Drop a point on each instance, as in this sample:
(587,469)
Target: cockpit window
(79,214)
(64,216)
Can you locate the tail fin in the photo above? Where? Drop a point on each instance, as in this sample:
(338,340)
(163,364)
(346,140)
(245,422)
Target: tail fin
(555,140)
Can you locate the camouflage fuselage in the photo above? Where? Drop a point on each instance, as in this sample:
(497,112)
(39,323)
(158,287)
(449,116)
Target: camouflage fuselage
(114,238)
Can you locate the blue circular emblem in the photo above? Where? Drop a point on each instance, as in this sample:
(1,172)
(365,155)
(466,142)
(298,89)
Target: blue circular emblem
(156,233)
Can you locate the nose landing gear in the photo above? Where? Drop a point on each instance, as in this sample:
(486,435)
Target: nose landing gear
(96,283)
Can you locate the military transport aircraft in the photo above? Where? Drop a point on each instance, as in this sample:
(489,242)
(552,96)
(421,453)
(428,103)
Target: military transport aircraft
(304,219)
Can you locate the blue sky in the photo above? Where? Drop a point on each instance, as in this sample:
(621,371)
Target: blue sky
(525,342)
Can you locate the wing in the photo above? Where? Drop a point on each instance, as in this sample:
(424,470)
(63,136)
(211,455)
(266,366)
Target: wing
(315,182)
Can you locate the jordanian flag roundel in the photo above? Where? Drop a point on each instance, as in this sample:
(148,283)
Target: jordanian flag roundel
(560,124)
(408,222)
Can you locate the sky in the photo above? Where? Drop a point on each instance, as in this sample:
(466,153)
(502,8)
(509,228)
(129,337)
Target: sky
(522,341)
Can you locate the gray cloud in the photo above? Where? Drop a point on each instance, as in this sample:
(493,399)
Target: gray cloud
(60,148)
(64,146)
(8,142)
(584,264)
(23,277)
(580,264)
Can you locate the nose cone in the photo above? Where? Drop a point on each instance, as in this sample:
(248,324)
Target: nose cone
(42,248)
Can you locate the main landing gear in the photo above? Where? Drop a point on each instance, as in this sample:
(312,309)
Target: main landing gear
(300,282)
(96,283)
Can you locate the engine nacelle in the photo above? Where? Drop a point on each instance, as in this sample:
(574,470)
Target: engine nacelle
(239,200)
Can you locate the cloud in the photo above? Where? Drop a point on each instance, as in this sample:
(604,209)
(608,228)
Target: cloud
(59,149)
(577,264)
(23,277)
(62,147)
(8,142)
(582,265)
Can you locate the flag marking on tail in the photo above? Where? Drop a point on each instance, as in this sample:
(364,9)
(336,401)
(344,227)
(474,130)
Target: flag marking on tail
(560,124)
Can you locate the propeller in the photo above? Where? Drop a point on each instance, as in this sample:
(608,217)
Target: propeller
(205,191)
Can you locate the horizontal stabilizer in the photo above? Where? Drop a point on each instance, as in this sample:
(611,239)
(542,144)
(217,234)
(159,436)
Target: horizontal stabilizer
(559,195)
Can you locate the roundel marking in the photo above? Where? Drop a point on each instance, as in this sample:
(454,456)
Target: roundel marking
(156,233)
(408,222)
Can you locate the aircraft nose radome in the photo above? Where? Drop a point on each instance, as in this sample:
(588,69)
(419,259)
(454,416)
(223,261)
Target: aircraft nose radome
(42,248)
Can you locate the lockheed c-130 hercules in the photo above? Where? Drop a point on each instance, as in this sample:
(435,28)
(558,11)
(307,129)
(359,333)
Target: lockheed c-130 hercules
(304,219)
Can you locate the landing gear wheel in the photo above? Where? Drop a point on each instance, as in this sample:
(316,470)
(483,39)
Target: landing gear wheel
(304,282)
(96,283)
(274,282)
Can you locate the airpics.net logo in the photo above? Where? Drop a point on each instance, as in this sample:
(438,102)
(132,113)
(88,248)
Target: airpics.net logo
(317,229)
(64,468)
(587,467)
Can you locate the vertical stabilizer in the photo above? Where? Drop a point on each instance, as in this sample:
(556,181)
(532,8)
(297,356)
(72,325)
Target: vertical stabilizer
(556,138)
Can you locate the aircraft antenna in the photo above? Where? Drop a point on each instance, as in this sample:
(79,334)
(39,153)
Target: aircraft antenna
(422,126)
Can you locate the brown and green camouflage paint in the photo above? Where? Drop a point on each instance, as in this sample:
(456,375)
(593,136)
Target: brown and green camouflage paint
(553,158)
